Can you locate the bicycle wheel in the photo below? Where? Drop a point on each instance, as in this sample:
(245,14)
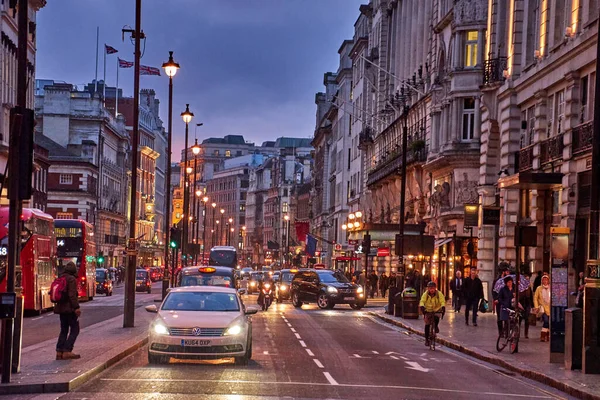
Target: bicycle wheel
(514,339)
(501,343)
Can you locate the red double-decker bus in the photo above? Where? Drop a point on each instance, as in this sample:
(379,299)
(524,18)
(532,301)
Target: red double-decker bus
(37,257)
(75,243)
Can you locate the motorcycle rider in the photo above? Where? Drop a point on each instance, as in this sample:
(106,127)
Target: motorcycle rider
(261,283)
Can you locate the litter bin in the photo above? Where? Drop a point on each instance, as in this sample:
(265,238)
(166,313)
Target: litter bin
(410,304)
(392,294)
(573,338)
(398,304)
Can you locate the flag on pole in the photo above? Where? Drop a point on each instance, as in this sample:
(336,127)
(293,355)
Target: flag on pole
(302,229)
(311,245)
(110,49)
(146,70)
(125,64)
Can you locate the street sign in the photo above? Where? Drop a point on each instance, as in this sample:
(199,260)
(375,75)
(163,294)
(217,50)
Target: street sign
(351,241)
(491,216)
(471,215)
(383,252)
(338,247)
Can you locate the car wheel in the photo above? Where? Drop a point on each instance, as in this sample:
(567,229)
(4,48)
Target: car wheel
(296,300)
(324,302)
(356,306)
(156,359)
(249,351)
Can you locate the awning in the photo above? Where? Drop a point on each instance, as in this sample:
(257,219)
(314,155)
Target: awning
(441,242)
(532,180)
(272,245)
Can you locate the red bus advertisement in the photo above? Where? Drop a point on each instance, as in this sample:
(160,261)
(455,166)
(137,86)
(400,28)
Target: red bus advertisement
(37,257)
(75,243)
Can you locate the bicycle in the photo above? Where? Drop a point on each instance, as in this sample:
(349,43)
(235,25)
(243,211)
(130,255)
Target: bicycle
(430,317)
(512,334)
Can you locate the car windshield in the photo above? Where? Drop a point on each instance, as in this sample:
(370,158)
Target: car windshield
(100,275)
(141,275)
(200,301)
(207,280)
(330,277)
(256,276)
(287,277)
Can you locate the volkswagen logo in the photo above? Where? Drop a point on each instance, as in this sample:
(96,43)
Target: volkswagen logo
(196,331)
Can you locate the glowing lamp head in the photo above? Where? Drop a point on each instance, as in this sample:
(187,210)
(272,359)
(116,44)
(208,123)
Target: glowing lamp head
(170,67)
(205,199)
(344,227)
(230,220)
(187,115)
(214,205)
(196,148)
(222,211)
(198,193)
(351,216)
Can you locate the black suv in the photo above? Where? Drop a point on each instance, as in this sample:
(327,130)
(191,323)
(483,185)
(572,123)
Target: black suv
(326,288)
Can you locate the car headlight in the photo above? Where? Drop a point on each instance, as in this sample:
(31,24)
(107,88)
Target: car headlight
(359,290)
(331,289)
(233,330)
(160,329)
(283,288)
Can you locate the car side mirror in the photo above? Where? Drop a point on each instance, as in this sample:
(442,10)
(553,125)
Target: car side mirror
(251,310)
(152,308)
(169,289)
(242,291)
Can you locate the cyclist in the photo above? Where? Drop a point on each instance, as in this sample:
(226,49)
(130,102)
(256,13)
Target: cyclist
(432,301)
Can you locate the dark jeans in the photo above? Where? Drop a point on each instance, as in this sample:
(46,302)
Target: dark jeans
(456,300)
(437,329)
(69,330)
(472,305)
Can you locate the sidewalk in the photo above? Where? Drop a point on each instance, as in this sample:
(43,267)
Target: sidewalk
(532,361)
(100,345)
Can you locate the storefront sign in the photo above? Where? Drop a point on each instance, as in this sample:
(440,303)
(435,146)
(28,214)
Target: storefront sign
(471,215)
(490,216)
(559,259)
(383,252)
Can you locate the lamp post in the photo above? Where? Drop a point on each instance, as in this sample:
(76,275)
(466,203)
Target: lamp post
(187,118)
(204,201)
(243,244)
(401,273)
(212,236)
(222,211)
(198,193)
(195,151)
(170,68)
(354,224)
(286,217)
(229,225)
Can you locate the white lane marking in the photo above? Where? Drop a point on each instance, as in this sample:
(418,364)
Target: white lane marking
(394,357)
(357,356)
(310,353)
(35,319)
(318,363)
(330,378)
(302,343)
(266,353)
(426,389)
(293,330)
(417,367)
(375,352)
(404,358)
(290,325)
(298,336)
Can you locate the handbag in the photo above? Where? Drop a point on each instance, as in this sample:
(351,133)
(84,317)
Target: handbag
(532,319)
(483,306)
(540,311)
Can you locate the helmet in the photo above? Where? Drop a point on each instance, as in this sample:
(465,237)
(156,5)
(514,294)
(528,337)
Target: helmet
(431,284)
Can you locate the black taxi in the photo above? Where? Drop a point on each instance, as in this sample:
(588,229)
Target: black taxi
(283,284)
(326,288)
(207,276)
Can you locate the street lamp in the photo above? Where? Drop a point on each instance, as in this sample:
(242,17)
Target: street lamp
(230,220)
(213,231)
(222,211)
(287,238)
(195,151)
(204,201)
(187,116)
(171,68)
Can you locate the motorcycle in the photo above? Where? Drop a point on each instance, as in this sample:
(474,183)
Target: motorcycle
(267,296)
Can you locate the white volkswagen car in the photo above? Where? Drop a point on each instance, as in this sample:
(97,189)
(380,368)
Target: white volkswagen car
(200,322)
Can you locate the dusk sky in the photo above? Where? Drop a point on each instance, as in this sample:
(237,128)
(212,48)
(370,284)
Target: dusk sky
(249,67)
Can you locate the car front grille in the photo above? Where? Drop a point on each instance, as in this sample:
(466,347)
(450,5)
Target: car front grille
(230,348)
(346,291)
(203,332)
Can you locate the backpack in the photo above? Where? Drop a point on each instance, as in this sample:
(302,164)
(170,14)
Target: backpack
(58,290)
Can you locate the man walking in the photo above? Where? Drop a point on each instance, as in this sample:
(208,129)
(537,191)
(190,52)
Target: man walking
(69,311)
(473,292)
(456,285)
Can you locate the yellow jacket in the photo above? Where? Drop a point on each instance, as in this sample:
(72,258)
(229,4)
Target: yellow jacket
(538,300)
(432,303)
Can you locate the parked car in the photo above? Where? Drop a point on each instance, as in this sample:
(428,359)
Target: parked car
(326,288)
(104,282)
(200,322)
(142,281)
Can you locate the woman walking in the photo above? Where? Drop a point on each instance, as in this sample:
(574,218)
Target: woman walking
(541,302)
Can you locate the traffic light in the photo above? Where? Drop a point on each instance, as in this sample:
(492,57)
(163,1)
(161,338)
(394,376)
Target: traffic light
(175,238)
(366,247)
(101,257)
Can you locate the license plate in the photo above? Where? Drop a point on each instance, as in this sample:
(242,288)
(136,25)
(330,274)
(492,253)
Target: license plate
(348,298)
(194,342)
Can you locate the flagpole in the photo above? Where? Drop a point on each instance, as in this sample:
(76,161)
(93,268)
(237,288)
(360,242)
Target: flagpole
(104,79)
(97,43)
(117,93)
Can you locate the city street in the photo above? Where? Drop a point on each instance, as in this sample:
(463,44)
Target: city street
(311,353)
(46,326)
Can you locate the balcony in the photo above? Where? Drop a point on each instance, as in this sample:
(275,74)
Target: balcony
(391,164)
(365,138)
(525,159)
(582,138)
(552,149)
(114,239)
(493,70)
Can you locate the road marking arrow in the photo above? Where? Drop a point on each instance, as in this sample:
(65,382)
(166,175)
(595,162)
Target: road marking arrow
(416,366)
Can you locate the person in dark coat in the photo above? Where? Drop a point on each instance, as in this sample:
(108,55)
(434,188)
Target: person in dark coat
(526,301)
(373,278)
(456,286)
(505,298)
(473,293)
(503,274)
(69,312)
(383,284)
(537,281)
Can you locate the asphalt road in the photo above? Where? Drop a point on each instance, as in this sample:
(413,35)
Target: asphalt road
(47,326)
(314,354)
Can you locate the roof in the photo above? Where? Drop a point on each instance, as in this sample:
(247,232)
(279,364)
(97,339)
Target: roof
(286,142)
(228,139)
(55,150)
(206,289)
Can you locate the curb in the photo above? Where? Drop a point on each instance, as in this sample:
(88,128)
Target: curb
(533,375)
(67,386)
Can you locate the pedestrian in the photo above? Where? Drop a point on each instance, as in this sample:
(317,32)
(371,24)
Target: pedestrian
(383,284)
(362,281)
(392,279)
(417,283)
(69,312)
(541,302)
(526,301)
(473,293)
(537,281)
(503,273)
(580,289)
(456,286)
(373,278)
(505,300)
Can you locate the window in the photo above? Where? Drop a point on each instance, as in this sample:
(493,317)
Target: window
(227,153)
(468,118)
(555,124)
(64,215)
(556,201)
(349,157)
(471,48)
(66,179)
(528,126)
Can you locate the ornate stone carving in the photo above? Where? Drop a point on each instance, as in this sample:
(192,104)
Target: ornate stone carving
(466,191)
(388,214)
(469,11)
